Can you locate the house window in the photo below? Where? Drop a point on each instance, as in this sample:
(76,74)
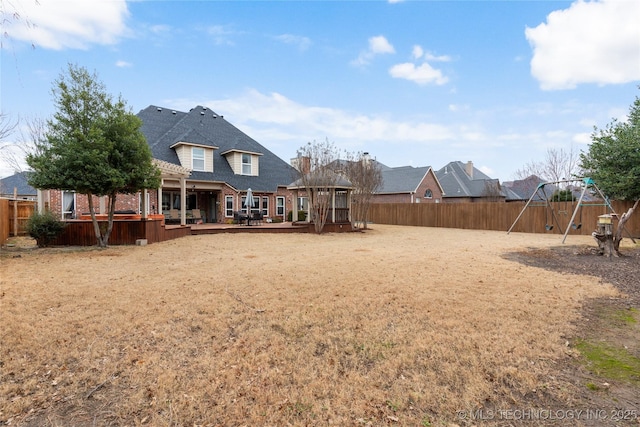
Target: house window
(255,204)
(246,164)
(197,158)
(265,206)
(303,204)
(228,206)
(171,200)
(428,194)
(279,206)
(68,204)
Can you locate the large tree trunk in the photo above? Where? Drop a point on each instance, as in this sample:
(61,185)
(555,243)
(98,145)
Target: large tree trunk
(94,220)
(617,237)
(102,232)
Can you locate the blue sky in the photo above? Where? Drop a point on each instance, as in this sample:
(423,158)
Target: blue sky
(411,82)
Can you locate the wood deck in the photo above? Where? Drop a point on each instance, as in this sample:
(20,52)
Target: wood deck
(264,227)
(128,232)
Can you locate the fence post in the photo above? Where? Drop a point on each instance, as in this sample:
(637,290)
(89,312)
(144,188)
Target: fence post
(15,211)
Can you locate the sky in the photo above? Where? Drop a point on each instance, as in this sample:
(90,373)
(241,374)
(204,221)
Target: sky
(418,83)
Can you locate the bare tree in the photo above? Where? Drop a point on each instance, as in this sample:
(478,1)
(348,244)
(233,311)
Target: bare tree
(12,13)
(558,165)
(365,176)
(317,167)
(7,127)
(492,191)
(30,141)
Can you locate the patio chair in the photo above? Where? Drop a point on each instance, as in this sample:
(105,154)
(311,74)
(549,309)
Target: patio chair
(196,216)
(172,217)
(257,217)
(239,217)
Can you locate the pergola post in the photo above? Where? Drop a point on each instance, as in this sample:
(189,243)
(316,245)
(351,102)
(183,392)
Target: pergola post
(294,216)
(144,207)
(183,201)
(333,205)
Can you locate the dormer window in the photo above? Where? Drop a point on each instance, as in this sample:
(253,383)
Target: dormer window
(428,194)
(246,164)
(197,158)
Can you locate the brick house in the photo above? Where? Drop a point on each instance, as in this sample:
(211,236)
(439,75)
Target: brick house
(206,164)
(408,184)
(462,182)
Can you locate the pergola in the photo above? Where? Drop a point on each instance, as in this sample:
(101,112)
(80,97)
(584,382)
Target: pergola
(171,172)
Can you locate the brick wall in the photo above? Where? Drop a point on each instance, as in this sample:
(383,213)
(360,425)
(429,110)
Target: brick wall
(123,202)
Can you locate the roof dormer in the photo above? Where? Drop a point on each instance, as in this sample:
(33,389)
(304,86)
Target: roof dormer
(243,162)
(195,157)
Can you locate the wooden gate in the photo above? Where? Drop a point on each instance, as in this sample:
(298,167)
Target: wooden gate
(14,215)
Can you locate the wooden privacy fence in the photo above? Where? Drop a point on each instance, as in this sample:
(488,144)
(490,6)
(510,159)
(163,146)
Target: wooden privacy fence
(14,215)
(498,216)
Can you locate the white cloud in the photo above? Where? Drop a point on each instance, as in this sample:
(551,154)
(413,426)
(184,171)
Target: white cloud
(486,170)
(74,24)
(417,52)
(221,35)
(123,64)
(378,45)
(421,74)
(590,42)
(280,122)
(301,42)
(437,58)
(583,138)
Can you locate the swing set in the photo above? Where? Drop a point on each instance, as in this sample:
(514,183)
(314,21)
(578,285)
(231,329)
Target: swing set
(542,199)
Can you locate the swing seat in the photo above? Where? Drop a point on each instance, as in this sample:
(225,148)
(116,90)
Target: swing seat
(576,226)
(548,227)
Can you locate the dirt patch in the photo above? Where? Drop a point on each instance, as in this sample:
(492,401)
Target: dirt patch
(607,334)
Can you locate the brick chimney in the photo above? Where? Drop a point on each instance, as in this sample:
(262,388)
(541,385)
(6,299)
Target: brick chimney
(468,168)
(366,158)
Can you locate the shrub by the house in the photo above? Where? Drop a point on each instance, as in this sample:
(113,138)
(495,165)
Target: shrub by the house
(44,227)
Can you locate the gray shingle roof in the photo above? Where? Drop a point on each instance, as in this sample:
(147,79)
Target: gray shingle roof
(163,128)
(19,181)
(457,183)
(404,179)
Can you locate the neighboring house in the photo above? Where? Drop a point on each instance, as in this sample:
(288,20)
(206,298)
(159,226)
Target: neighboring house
(462,182)
(524,189)
(408,184)
(207,164)
(17,184)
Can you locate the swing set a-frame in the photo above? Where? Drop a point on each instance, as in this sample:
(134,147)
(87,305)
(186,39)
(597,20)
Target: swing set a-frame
(540,197)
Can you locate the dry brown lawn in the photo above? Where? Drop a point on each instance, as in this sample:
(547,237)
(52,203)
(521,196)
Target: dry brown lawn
(396,325)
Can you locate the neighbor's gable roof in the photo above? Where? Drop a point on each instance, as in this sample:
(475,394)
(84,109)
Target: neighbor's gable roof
(404,179)
(19,182)
(164,128)
(524,189)
(456,183)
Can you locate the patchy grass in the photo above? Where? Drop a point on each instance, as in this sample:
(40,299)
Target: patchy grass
(626,316)
(610,362)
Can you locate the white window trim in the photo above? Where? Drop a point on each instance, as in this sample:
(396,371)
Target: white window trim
(243,164)
(72,211)
(226,204)
(198,158)
(278,206)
